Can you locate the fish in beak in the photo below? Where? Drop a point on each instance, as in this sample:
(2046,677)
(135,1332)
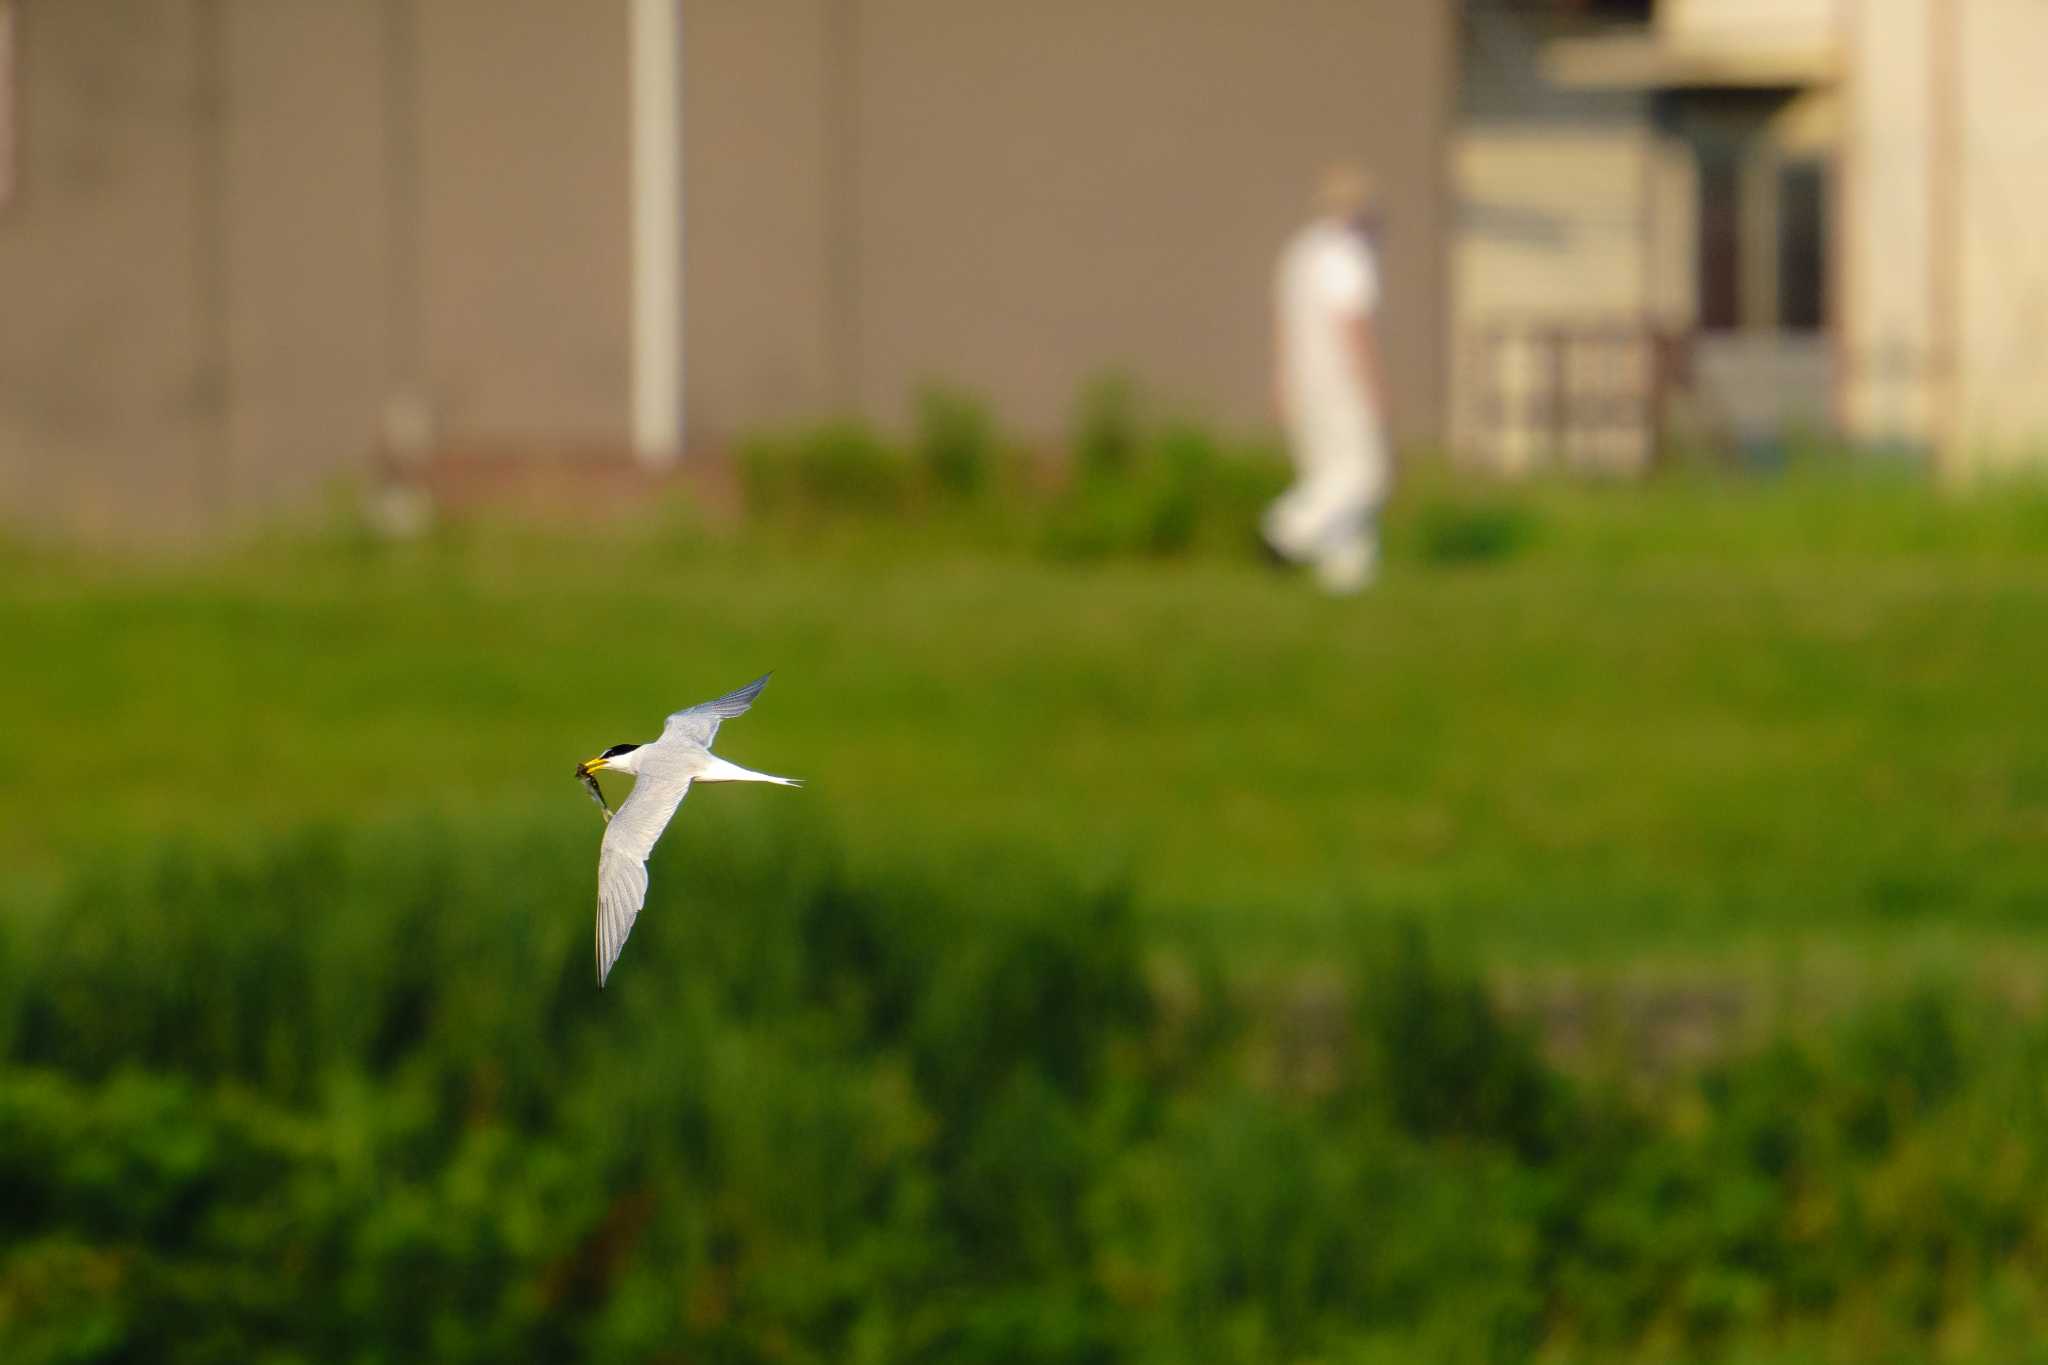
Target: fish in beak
(586,773)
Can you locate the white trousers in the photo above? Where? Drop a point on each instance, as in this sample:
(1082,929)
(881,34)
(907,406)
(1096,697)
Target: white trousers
(1329,516)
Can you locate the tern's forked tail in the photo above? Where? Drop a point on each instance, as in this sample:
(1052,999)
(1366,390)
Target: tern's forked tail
(718,770)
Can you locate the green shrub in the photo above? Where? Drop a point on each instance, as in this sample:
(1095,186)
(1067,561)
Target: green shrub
(839,467)
(1128,490)
(1464,531)
(1180,491)
(1449,1064)
(356,1096)
(955,445)
(1107,431)
(361,1097)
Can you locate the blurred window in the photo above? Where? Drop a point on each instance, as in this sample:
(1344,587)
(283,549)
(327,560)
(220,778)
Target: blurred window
(1579,11)
(1802,246)
(1720,240)
(1763,239)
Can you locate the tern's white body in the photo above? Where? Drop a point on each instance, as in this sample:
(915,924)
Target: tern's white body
(662,773)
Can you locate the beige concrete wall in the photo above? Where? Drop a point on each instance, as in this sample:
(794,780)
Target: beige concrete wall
(1946,277)
(1572,210)
(1887,294)
(1745,28)
(303,250)
(523,188)
(2001,263)
(1048,189)
(762,247)
(1558,220)
(245,226)
(1938,130)
(1584,222)
(192,265)
(109,389)
(1014,196)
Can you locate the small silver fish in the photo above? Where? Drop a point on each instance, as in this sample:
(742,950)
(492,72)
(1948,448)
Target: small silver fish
(596,792)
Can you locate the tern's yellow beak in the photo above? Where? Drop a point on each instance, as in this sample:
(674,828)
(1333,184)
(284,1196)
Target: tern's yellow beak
(591,765)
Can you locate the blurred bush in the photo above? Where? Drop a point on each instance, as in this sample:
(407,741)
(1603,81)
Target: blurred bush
(1125,484)
(358,1097)
(1135,489)
(1106,431)
(1471,530)
(838,467)
(1152,501)
(955,443)
(1124,487)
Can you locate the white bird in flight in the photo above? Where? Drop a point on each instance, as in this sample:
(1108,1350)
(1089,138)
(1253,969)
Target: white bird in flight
(662,774)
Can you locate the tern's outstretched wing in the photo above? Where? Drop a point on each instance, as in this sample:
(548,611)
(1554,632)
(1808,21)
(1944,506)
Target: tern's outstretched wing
(700,722)
(622,861)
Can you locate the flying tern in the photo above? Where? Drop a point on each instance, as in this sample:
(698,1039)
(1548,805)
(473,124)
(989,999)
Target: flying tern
(662,771)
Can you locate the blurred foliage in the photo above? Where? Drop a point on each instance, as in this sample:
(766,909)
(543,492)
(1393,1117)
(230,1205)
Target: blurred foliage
(1472,530)
(955,443)
(281,1093)
(1106,432)
(1175,491)
(1126,483)
(1124,487)
(841,466)
(356,1097)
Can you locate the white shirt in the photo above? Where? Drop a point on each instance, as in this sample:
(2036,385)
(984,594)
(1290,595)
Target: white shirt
(1327,280)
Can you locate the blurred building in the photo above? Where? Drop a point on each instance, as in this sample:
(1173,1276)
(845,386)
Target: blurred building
(1734,220)
(244,244)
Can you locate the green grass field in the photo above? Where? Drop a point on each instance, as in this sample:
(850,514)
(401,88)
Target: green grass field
(1690,719)
(1618,937)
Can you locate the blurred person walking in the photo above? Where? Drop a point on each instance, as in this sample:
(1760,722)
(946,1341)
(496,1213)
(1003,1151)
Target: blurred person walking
(1328,388)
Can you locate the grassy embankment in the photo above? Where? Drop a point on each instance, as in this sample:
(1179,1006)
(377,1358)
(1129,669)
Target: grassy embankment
(300,1058)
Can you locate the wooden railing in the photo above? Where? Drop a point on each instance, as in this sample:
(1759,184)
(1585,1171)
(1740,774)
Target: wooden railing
(1588,395)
